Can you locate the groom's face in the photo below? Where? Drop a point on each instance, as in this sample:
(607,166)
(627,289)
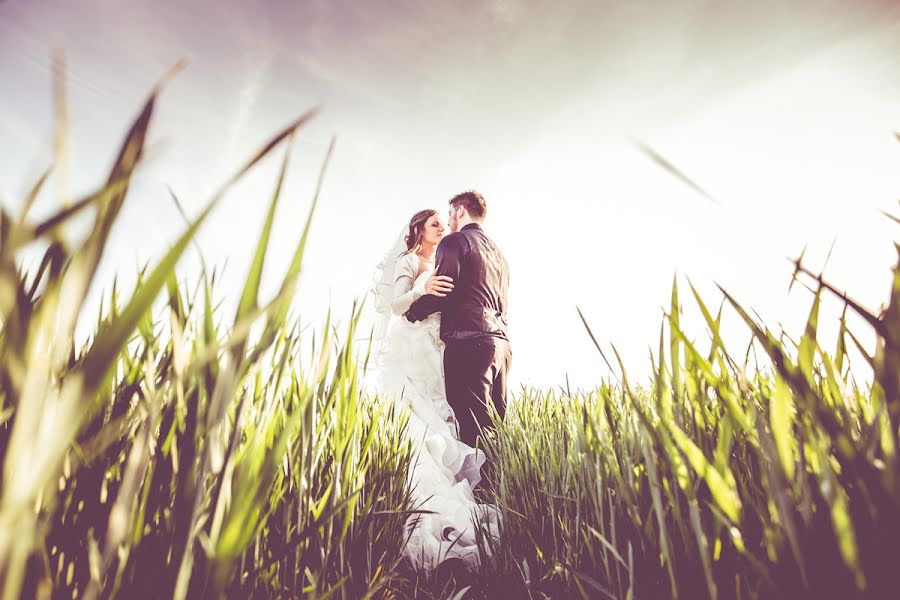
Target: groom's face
(453,222)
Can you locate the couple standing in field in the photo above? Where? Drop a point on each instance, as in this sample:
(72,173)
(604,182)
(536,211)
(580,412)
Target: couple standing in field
(445,356)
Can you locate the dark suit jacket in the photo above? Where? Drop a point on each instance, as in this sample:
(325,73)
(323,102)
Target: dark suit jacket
(477,305)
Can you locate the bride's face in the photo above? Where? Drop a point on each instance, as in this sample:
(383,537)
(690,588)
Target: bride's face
(434,230)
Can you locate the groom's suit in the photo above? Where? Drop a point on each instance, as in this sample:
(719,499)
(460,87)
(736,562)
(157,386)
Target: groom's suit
(477,356)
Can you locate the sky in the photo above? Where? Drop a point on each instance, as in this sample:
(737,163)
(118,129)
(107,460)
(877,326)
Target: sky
(783,111)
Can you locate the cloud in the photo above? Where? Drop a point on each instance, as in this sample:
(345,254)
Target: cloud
(247,101)
(505,12)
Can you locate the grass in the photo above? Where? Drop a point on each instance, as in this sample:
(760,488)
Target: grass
(179,454)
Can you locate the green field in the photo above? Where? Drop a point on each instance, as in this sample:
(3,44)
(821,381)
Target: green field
(182,453)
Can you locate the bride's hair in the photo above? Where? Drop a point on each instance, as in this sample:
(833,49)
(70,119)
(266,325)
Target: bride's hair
(417,229)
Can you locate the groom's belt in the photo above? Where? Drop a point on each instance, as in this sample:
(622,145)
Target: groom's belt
(452,336)
(471,324)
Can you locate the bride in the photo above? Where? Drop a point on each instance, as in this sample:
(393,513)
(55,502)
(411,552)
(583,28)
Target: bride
(410,362)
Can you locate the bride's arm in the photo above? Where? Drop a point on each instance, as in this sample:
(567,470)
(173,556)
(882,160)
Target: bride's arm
(405,292)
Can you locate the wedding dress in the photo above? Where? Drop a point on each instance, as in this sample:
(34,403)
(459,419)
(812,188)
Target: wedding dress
(444,470)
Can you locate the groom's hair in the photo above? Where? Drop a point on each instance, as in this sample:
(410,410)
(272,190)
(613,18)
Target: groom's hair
(473,202)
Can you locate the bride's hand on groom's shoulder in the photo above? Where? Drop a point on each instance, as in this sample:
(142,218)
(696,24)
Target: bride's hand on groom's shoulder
(439,285)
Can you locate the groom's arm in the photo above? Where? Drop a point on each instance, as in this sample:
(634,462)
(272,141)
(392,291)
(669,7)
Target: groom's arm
(448,258)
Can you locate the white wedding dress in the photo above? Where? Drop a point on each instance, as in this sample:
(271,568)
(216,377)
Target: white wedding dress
(444,470)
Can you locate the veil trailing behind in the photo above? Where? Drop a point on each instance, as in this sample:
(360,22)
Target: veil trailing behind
(408,360)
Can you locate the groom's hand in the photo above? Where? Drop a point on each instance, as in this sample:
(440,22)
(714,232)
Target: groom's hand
(439,285)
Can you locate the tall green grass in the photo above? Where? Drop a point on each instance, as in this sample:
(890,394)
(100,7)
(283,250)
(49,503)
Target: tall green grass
(714,482)
(180,454)
(173,455)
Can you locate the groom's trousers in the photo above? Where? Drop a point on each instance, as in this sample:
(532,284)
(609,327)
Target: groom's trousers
(475,372)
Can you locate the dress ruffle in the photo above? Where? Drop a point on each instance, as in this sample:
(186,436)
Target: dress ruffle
(444,470)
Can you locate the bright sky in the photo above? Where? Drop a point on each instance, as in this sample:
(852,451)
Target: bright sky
(784,111)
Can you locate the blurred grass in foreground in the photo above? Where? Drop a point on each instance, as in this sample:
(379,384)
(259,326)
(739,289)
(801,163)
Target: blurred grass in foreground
(177,456)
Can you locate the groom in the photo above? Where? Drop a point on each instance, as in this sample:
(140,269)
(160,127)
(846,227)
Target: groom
(477,355)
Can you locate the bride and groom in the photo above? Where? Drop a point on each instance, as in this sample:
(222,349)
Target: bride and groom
(445,356)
